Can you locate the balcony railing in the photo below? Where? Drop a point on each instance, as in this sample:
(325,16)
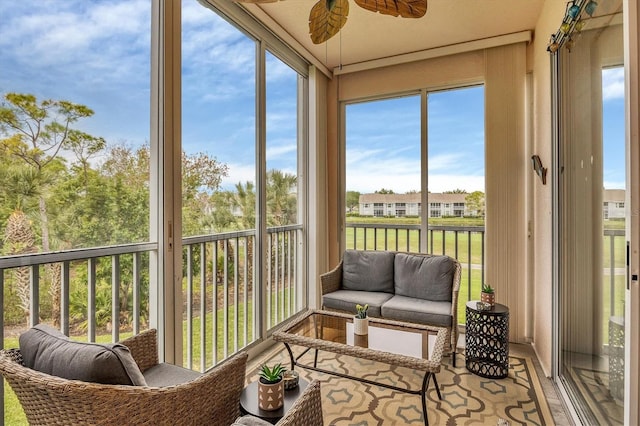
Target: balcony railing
(465,243)
(225,313)
(223,316)
(106,288)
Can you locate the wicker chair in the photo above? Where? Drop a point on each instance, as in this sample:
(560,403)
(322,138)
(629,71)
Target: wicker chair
(213,398)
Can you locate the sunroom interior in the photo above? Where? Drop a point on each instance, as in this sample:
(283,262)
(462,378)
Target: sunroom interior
(543,246)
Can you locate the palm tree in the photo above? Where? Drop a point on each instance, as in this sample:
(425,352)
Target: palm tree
(281,198)
(19,238)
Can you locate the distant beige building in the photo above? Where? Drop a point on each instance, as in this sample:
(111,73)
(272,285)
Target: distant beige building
(400,205)
(613,204)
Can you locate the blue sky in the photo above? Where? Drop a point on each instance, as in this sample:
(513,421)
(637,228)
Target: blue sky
(383,142)
(97,53)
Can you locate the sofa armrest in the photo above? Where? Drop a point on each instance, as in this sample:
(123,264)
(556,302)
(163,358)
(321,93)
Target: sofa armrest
(454,306)
(307,410)
(332,280)
(143,348)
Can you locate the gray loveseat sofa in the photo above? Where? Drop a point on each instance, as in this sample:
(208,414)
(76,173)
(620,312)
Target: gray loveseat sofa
(410,287)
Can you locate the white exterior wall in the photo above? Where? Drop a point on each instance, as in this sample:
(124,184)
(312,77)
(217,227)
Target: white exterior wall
(412,209)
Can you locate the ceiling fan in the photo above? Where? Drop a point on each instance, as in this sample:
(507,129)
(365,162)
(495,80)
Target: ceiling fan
(327,17)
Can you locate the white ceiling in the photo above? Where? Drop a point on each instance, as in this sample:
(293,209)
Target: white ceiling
(367,35)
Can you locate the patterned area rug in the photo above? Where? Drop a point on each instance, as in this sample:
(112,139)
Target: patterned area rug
(467,399)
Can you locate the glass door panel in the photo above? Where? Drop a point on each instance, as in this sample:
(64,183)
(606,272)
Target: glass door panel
(592,221)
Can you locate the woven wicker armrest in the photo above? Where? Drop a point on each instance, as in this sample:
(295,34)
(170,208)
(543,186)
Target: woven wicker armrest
(307,410)
(332,280)
(454,308)
(144,348)
(213,398)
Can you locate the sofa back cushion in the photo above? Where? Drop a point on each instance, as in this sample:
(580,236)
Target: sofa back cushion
(424,277)
(47,350)
(367,270)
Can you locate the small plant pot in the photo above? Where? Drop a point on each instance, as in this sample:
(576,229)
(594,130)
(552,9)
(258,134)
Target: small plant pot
(270,396)
(488,298)
(361,326)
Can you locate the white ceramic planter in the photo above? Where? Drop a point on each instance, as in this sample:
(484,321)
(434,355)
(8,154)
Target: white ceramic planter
(361,326)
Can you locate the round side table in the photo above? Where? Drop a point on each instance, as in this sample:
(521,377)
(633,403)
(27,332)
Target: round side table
(249,401)
(487,341)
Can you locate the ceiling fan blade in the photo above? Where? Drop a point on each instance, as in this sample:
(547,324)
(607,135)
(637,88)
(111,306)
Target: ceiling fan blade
(327,17)
(403,8)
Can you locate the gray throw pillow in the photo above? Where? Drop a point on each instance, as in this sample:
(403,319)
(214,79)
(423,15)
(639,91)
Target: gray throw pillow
(424,277)
(47,350)
(367,271)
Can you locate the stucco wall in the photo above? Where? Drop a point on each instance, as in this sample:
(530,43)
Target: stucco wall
(503,70)
(548,23)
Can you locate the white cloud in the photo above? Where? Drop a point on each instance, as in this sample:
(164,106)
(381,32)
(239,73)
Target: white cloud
(404,182)
(613,83)
(239,173)
(368,170)
(279,151)
(614,184)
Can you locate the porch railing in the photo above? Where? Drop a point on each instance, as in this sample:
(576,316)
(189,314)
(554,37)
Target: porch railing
(465,243)
(222,316)
(120,275)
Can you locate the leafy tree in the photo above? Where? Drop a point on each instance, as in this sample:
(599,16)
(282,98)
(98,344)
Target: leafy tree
(243,201)
(475,203)
(385,191)
(201,176)
(456,191)
(281,198)
(353,200)
(36,133)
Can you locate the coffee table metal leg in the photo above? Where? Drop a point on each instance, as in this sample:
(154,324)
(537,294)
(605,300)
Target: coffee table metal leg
(435,382)
(423,395)
(315,359)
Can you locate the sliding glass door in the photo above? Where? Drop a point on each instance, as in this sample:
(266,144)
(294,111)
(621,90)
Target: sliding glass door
(592,220)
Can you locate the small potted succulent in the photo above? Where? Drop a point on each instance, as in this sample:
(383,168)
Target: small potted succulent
(271,387)
(488,295)
(360,320)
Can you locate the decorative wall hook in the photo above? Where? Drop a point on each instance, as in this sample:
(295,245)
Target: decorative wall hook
(539,169)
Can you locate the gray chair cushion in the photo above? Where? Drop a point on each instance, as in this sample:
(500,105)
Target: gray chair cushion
(163,374)
(249,420)
(346,300)
(402,308)
(424,277)
(47,350)
(367,270)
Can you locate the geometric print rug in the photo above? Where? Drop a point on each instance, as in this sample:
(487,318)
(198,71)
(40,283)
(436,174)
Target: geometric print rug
(467,399)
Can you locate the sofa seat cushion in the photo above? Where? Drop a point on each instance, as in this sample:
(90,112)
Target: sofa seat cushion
(47,350)
(164,374)
(410,309)
(424,277)
(367,270)
(346,300)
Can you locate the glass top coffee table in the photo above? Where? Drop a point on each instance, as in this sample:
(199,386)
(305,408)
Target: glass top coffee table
(409,345)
